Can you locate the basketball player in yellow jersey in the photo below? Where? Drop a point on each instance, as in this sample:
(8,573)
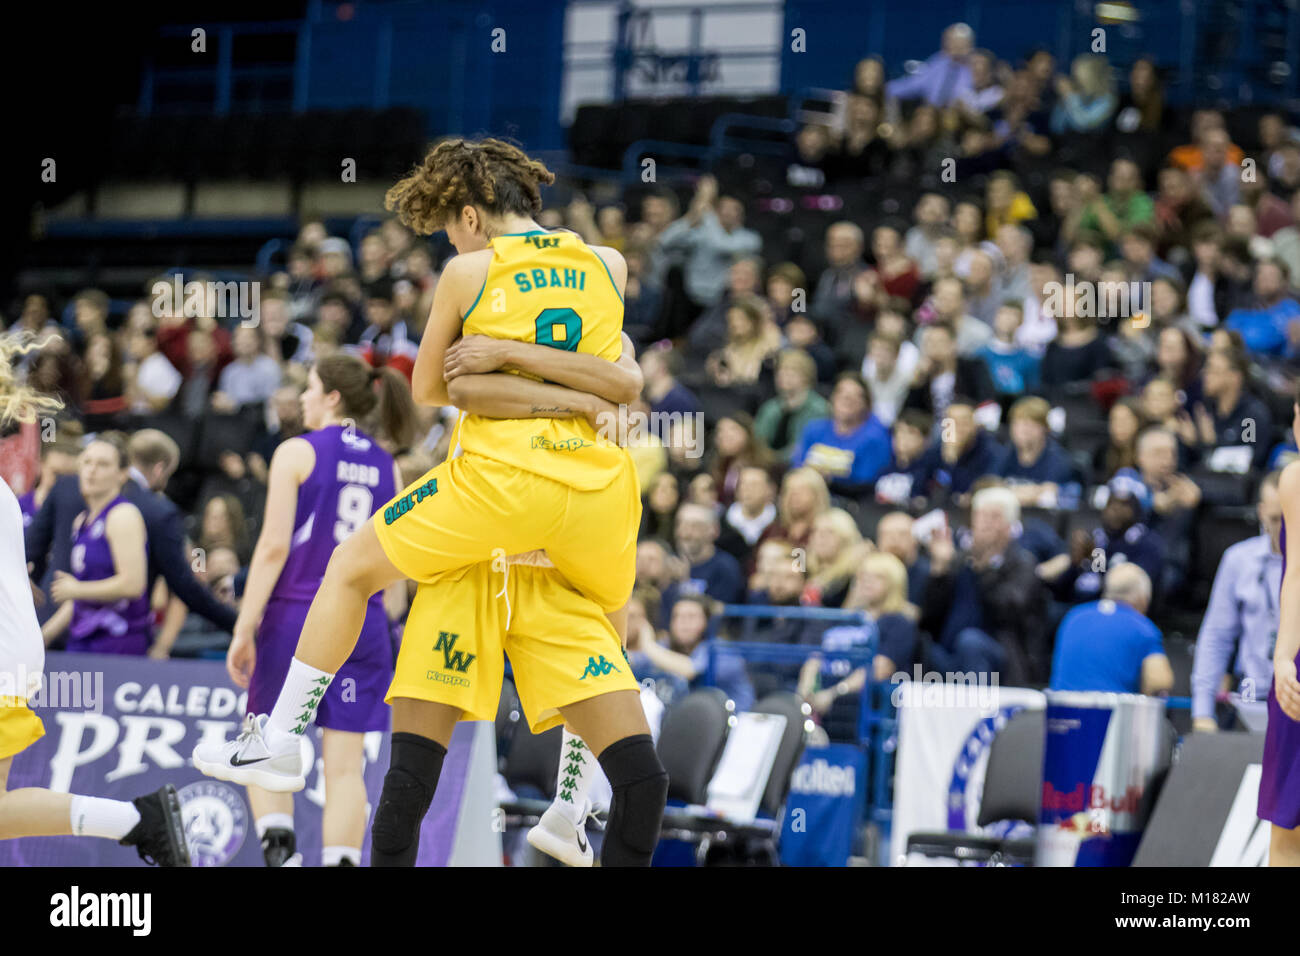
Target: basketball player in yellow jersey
(551,483)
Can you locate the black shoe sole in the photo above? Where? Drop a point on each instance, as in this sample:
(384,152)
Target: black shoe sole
(174,821)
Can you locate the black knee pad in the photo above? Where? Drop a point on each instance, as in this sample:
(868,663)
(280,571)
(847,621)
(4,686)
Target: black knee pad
(409,785)
(636,812)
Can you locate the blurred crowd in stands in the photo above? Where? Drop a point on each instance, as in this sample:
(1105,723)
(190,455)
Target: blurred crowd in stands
(987,332)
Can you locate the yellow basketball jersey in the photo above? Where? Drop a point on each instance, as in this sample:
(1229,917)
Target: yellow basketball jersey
(552,289)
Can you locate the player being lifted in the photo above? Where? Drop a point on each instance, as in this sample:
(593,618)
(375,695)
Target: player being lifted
(152,823)
(521,485)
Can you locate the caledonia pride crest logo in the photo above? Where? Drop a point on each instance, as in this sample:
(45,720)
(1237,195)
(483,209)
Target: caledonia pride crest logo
(216,822)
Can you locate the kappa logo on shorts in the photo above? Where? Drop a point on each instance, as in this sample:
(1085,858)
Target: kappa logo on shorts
(454,660)
(598,668)
(408,501)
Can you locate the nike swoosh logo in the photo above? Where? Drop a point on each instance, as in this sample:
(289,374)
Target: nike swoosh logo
(582,843)
(236,762)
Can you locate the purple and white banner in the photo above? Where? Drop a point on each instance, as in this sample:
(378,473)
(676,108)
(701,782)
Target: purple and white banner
(121,727)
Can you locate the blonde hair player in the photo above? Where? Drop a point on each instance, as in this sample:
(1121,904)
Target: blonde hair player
(152,823)
(522,484)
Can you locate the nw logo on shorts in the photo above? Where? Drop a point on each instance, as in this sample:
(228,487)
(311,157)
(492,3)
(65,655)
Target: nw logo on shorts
(455,660)
(598,668)
(408,501)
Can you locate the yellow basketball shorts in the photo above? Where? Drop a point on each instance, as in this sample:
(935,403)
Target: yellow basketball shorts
(471,509)
(561,646)
(19,727)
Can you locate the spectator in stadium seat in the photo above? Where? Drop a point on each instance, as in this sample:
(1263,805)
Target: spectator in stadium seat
(154,380)
(835,550)
(1086,99)
(785,282)
(1138,246)
(642,299)
(1126,418)
(782,418)
(903,482)
(659,506)
(880,591)
(947,306)
(1012,367)
(1078,353)
(803,497)
(1122,207)
(833,298)
(1111,645)
(943,373)
(851,447)
(708,238)
(894,275)
(894,536)
(1241,622)
(1218,177)
(1231,415)
(963,453)
(251,378)
(90,309)
(286,340)
(105,397)
(1174,500)
(1286,242)
(1006,203)
(709,331)
(1179,210)
(659,568)
(1272,326)
(685,659)
(984,93)
(983,287)
(1015,242)
(931,222)
(750,514)
(752,341)
(1038,470)
(803,332)
(710,571)
(386,342)
(736,447)
(222,526)
(1123,536)
(862,153)
(887,374)
(944,76)
(986,608)
(660,367)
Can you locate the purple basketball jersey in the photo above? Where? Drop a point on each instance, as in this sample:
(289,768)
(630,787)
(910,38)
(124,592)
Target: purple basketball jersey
(353,476)
(124,626)
(1279,784)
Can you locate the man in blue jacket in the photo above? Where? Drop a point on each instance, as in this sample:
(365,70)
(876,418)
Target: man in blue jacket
(852,447)
(153,457)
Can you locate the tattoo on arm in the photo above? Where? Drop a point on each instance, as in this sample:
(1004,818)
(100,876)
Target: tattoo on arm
(552,410)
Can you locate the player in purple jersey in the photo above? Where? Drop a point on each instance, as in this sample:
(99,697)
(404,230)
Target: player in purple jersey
(1279,785)
(104,602)
(322,487)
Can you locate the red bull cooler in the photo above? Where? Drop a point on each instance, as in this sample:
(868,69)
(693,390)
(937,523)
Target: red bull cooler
(1102,754)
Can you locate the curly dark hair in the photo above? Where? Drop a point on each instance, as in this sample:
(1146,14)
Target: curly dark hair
(492,174)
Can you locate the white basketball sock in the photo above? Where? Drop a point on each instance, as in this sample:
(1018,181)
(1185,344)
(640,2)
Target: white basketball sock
(282,821)
(576,768)
(295,708)
(99,817)
(334,855)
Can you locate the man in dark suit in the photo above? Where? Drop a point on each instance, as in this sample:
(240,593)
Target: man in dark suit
(153,457)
